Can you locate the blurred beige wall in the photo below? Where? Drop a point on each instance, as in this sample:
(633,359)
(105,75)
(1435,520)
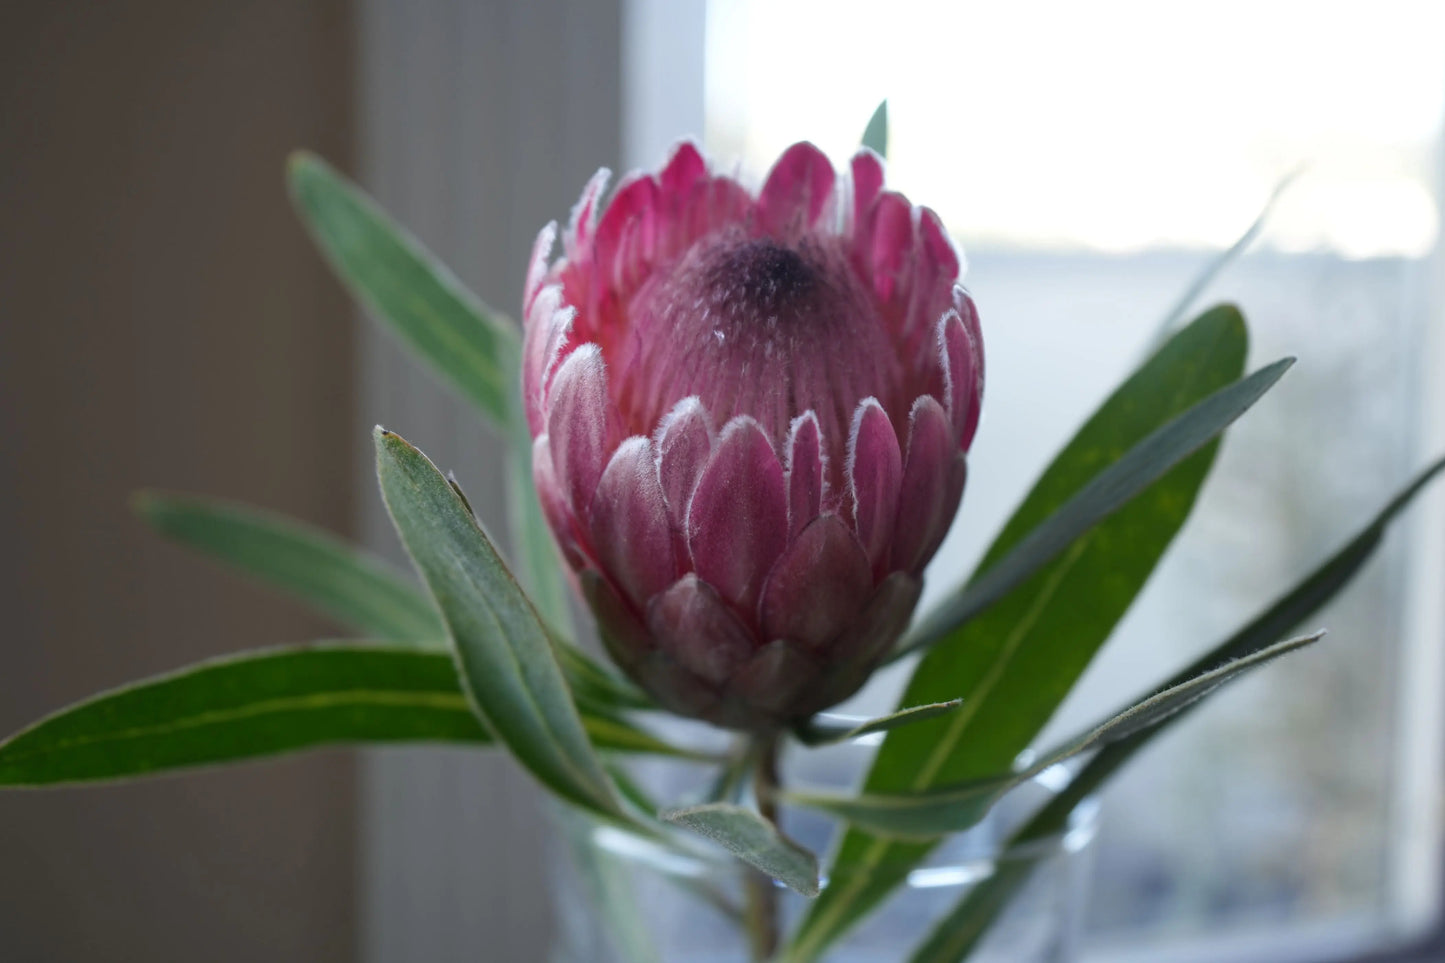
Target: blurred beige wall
(163,321)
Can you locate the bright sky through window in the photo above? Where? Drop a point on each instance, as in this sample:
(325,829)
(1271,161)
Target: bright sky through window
(1109,126)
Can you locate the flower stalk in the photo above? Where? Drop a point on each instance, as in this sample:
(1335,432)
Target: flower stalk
(760,914)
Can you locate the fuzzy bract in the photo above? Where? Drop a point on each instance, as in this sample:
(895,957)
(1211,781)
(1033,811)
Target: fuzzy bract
(750,417)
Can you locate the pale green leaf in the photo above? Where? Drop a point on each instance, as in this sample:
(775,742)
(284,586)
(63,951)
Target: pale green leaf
(471,346)
(506,658)
(307,563)
(752,839)
(820,732)
(951,809)
(875,135)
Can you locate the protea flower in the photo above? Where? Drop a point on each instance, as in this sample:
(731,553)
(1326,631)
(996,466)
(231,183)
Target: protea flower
(750,416)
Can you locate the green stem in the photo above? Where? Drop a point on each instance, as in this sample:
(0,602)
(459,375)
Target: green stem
(761,912)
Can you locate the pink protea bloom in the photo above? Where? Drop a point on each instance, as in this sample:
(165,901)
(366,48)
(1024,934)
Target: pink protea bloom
(750,418)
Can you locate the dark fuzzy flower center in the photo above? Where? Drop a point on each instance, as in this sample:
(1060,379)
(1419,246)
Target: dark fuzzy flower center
(760,328)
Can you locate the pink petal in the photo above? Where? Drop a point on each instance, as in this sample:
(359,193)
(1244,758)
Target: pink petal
(626,234)
(718,202)
(549,325)
(623,634)
(799,189)
(630,534)
(818,585)
(676,687)
(807,472)
(930,286)
(857,653)
(875,472)
(696,627)
(867,184)
(684,441)
(771,683)
(887,245)
(960,357)
(577,424)
(554,503)
(737,521)
(685,169)
(584,215)
(537,266)
(882,622)
(966,309)
(932,484)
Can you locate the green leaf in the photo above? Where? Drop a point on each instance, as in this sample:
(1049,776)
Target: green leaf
(816,733)
(262,703)
(423,303)
(875,135)
(957,933)
(752,839)
(307,563)
(1114,487)
(342,581)
(507,665)
(239,707)
(951,809)
(1016,661)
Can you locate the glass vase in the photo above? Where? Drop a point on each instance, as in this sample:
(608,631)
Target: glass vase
(622,899)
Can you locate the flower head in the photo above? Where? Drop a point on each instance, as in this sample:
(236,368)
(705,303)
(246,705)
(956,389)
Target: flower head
(750,418)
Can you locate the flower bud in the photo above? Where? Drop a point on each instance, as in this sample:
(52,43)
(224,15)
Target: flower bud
(750,420)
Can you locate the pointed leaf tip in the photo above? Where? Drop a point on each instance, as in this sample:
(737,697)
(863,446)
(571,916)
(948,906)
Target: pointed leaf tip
(752,839)
(507,664)
(875,135)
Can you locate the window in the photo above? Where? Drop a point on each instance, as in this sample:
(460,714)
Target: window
(1090,158)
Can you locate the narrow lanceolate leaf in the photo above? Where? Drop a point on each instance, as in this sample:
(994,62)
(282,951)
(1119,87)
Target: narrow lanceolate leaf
(817,733)
(1015,661)
(956,934)
(952,809)
(255,704)
(875,135)
(1107,492)
(307,563)
(752,839)
(470,345)
(342,581)
(502,648)
(263,703)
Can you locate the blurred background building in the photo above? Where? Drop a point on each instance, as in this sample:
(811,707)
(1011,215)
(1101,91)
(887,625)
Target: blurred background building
(165,322)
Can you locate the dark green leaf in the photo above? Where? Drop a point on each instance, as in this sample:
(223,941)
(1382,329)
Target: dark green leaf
(423,303)
(262,703)
(956,935)
(820,733)
(507,664)
(1114,487)
(952,809)
(1016,661)
(875,135)
(312,565)
(752,839)
(239,707)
